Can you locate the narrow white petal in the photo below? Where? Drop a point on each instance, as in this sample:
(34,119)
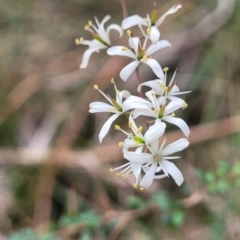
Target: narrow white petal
(154,132)
(136,157)
(117,50)
(149,176)
(153,99)
(133,21)
(178,122)
(134,43)
(173,171)
(106,126)
(86,56)
(154,84)
(101,30)
(100,107)
(174,147)
(143,112)
(173,106)
(155,66)
(157,46)
(170,11)
(134,102)
(136,168)
(154,34)
(128,70)
(121,95)
(115,27)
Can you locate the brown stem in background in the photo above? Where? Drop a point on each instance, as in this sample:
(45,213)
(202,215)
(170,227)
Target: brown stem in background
(124,8)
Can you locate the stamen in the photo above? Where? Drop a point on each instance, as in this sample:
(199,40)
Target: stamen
(135,185)
(90,23)
(145,58)
(141,188)
(139,130)
(153,93)
(118,174)
(112,80)
(165,69)
(173,114)
(81,39)
(162,85)
(86,27)
(148,31)
(184,105)
(90,107)
(124,48)
(117,127)
(121,144)
(117,92)
(111,170)
(95,87)
(155,111)
(130,124)
(129,33)
(112,110)
(77,41)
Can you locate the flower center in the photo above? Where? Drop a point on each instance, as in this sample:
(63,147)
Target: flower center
(157,158)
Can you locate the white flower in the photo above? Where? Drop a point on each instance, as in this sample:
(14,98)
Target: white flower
(140,55)
(136,138)
(160,110)
(157,161)
(117,107)
(151,23)
(100,40)
(160,87)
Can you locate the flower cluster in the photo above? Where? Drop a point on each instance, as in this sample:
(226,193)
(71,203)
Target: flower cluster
(147,157)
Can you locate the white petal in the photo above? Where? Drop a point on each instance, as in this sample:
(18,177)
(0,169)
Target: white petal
(133,21)
(173,106)
(134,43)
(115,27)
(174,147)
(178,122)
(106,126)
(117,50)
(100,107)
(170,11)
(143,112)
(154,34)
(136,157)
(154,84)
(155,131)
(135,102)
(149,176)
(154,65)
(121,95)
(157,46)
(128,70)
(136,168)
(173,171)
(152,98)
(101,30)
(86,56)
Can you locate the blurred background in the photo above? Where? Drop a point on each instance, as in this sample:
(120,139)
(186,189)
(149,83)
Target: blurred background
(54,176)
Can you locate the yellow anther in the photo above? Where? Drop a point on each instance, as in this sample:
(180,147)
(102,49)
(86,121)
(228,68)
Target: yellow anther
(129,124)
(162,85)
(112,110)
(77,41)
(117,127)
(90,107)
(145,58)
(86,27)
(173,114)
(90,23)
(135,185)
(117,92)
(136,143)
(111,170)
(124,48)
(112,80)
(118,174)
(129,33)
(153,93)
(95,87)
(139,130)
(148,31)
(165,69)
(123,176)
(184,105)
(81,39)
(121,144)
(141,188)
(155,111)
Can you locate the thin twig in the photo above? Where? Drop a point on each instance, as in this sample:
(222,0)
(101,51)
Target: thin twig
(124,8)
